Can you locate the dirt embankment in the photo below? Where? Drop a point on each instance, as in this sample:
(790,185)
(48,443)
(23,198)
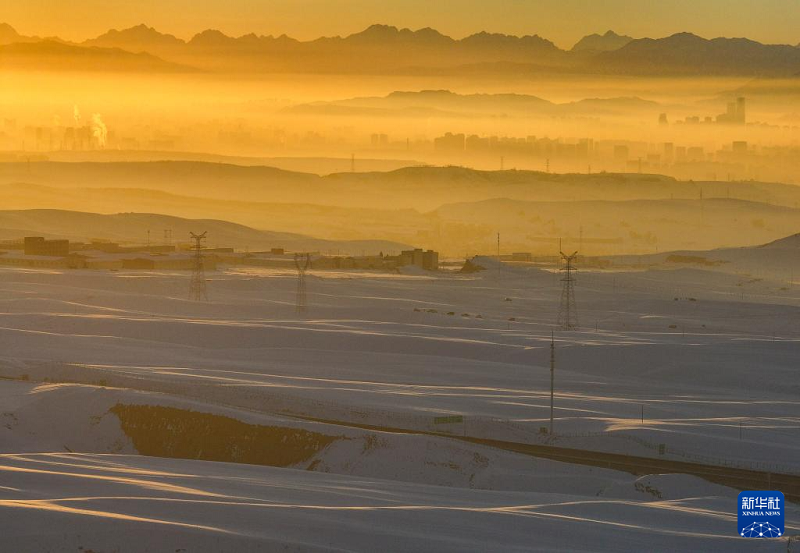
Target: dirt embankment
(178,433)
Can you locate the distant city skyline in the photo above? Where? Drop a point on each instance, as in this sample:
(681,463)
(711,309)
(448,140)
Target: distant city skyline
(563,21)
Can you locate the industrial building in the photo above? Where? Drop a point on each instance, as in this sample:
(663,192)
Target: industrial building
(428,260)
(37,245)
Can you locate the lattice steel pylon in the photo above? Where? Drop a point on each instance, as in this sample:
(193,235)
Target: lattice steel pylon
(302,262)
(568,309)
(197,286)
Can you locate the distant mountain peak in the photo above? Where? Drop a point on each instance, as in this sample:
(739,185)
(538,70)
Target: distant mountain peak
(686,34)
(687,53)
(381,28)
(210,37)
(608,42)
(487,36)
(428,92)
(378,32)
(140,36)
(8,34)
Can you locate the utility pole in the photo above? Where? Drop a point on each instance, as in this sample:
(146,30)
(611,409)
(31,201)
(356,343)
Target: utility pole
(552,376)
(498,255)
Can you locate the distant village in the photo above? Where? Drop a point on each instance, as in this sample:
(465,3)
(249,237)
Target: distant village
(38,252)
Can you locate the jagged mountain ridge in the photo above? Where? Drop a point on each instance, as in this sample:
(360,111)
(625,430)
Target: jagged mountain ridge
(384,48)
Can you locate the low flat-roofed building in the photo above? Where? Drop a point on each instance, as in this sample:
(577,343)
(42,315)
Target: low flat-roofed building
(34,261)
(37,245)
(428,260)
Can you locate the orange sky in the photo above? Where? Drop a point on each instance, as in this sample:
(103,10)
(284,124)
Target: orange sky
(563,21)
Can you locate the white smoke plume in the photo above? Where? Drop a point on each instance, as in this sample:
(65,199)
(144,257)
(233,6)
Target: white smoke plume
(99,130)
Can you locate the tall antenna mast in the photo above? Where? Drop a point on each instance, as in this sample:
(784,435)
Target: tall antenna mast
(552,376)
(568,310)
(499,265)
(197,286)
(302,262)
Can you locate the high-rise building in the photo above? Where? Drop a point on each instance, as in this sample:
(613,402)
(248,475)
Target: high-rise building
(740,110)
(621,152)
(735,113)
(669,151)
(449,143)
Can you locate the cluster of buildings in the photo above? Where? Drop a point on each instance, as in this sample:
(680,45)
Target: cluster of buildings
(735,114)
(461,143)
(619,155)
(706,159)
(93,135)
(38,252)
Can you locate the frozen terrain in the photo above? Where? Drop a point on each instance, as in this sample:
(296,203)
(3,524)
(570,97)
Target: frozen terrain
(133,503)
(700,360)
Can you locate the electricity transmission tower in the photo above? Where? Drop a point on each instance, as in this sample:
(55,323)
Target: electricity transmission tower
(197,286)
(568,310)
(302,262)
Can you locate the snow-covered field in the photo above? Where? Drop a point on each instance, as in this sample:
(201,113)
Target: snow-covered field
(73,502)
(701,361)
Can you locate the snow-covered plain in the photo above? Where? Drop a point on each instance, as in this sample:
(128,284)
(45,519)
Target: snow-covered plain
(702,361)
(73,502)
